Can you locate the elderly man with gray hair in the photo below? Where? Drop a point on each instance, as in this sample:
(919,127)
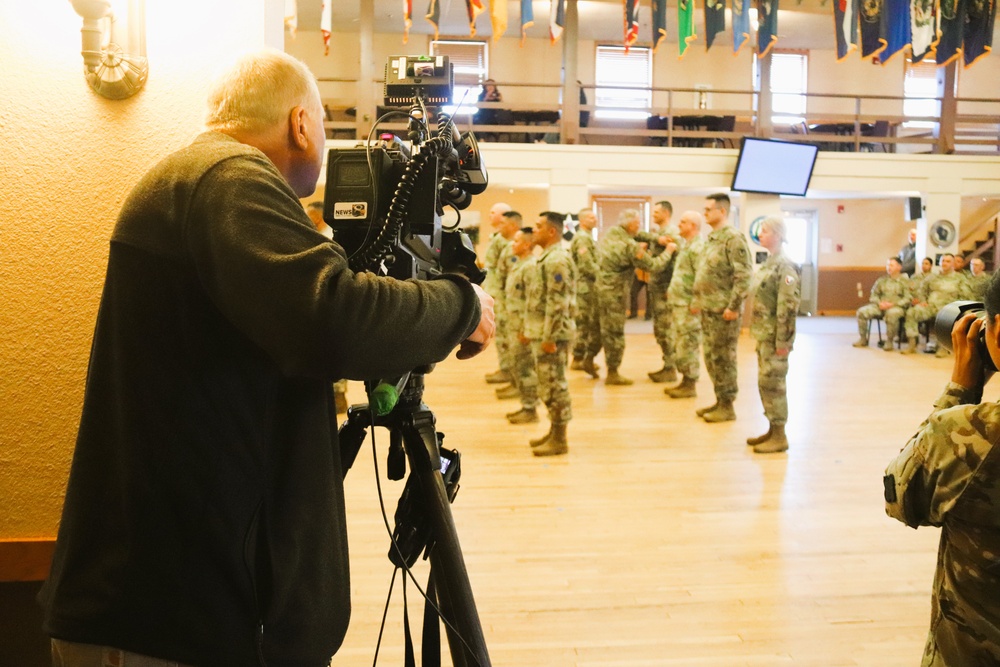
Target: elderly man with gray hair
(204,521)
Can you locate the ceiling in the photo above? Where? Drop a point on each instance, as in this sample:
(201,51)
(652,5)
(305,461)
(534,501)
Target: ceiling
(801,23)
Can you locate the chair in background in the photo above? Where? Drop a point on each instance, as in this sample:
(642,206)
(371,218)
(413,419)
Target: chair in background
(656,123)
(725,124)
(881,128)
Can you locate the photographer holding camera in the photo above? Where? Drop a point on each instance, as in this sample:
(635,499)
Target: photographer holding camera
(948,475)
(204,520)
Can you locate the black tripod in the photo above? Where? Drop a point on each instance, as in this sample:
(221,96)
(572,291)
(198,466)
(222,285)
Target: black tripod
(424,518)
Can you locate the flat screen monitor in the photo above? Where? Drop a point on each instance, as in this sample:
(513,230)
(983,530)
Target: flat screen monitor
(774,167)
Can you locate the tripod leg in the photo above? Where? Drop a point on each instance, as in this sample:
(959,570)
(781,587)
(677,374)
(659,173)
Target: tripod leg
(454,590)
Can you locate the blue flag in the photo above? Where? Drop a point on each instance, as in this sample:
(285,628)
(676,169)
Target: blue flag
(895,28)
(741,24)
(527,19)
(659,22)
(767,31)
(980,15)
(952,20)
(715,20)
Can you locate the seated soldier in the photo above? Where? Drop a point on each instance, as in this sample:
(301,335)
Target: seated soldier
(978,278)
(890,297)
(938,291)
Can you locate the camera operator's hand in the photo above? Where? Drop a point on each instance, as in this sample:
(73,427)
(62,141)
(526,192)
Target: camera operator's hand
(481,337)
(968,370)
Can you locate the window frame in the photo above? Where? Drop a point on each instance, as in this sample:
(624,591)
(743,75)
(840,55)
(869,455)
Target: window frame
(469,75)
(621,102)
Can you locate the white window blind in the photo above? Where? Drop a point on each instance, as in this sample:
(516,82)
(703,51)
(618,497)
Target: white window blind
(920,81)
(631,73)
(470,63)
(789,82)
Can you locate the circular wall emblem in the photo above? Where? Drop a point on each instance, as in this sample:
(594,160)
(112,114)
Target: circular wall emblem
(943,233)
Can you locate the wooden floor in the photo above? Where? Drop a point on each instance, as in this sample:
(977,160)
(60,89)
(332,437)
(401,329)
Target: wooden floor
(663,540)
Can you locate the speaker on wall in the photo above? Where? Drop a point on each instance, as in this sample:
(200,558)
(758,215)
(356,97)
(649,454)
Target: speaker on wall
(914,208)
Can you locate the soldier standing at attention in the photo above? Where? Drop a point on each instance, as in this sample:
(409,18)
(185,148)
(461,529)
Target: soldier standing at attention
(947,476)
(501,237)
(550,326)
(936,292)
(511,222)
(685,327)
(721,283)
(583,251)
(656,292)
(516,304)
(890,297)
(777,289)
(618,255)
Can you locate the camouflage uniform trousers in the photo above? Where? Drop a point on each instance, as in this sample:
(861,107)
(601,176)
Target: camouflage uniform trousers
(893,316)
(612,317)
(661,323)
(553,389)
(685,339)
(588,325)
(502,340)
(915,315)
(523,372)
(719,340)
(771,373)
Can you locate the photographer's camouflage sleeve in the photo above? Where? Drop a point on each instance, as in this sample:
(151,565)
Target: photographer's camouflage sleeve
(948,475)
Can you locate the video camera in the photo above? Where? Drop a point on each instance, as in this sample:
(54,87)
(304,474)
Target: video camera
(385,197)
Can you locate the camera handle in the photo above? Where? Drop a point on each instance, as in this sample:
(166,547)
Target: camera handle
(414,423)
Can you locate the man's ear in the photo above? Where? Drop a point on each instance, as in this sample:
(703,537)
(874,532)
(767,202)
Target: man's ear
(996,329)
(298,133)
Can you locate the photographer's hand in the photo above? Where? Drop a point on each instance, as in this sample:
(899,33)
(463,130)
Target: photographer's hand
(484,333)
(968,369)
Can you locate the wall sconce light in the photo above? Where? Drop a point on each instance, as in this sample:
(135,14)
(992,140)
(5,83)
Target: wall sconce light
(114,46)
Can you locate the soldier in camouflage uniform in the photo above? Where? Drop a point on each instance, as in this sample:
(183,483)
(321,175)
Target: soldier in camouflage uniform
(511,223)
(656,291)
(500,239)
(721,283)
(550,326)
(948,475)
(917,280)
(937,292)
(685,327)
(978,278)
(516,304)
(890,297)
(619,254)
(777,290)
(583,251)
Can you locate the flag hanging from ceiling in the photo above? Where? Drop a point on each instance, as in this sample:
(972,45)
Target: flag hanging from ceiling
(527,19)
(434,15)
(845,23)
(659,22)
(557,19)
(951,21)
(291,16)
(980,15)
(407,19)
(871,19)
(715,20)
(473,8)
(685,25)
(498,18)
(631,22)
(326,26)
(923,28)
(767,29)
(895,28)
(741,24)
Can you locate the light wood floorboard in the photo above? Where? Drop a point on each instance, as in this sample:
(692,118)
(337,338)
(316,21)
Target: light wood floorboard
(663,540)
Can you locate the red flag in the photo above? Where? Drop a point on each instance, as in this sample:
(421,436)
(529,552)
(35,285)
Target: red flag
(326,26)
(631,22)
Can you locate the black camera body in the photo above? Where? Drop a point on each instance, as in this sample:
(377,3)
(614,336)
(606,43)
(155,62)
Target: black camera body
(385,197)
(945,322)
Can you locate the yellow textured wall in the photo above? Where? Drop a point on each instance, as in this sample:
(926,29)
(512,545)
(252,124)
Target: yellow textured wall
(67,160)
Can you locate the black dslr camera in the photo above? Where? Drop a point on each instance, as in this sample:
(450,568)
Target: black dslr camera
(384,198)
(945,322)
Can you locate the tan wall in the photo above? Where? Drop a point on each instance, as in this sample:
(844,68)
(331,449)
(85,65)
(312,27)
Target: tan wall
(69,157)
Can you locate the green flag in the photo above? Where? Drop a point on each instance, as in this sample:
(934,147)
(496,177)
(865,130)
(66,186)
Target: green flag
(685,25)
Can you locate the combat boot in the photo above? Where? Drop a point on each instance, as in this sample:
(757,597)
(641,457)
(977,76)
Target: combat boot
(510,391)
(577,364)
(498,377)
(861,342)
(701,412)
(664,375)
(615,379)
(538,442)
(776,443)
(723,412)
(941,353)
(523,416)
(761,438)
(589,367)
(684,390)
(555,445)
(911,348)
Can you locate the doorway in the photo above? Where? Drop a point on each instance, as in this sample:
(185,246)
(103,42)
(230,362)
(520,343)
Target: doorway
(802,247)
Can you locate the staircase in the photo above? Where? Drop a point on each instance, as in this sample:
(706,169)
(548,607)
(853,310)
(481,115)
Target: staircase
(979,234)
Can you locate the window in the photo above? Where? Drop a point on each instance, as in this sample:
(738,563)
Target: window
(920,81)
(470,62)
(632,74)
(789,82)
